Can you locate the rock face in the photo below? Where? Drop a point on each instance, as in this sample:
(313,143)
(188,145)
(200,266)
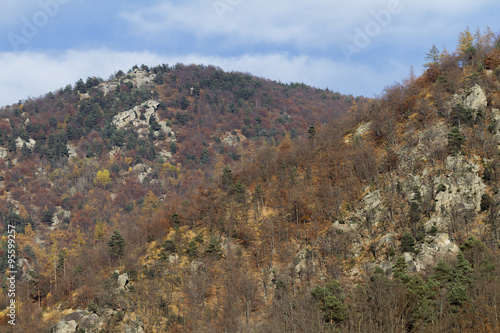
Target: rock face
(79,321)
(142,171)
(304,262)
(495,127)
(3,152)
(60,215)
(459,192)
(440,248)
(65,327)
(138,78)
(144,111)
(83,321)
(123,281)
(20,143)
(474,98)
(133,115)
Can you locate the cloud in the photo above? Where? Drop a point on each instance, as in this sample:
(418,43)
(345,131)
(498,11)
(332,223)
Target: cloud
(305,23)
(31,74)
(315,24)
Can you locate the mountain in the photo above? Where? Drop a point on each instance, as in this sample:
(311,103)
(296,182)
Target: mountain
(377,215)
(128,155)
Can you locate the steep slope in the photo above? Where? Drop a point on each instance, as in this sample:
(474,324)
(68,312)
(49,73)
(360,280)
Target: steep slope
(384,220)
(126,155)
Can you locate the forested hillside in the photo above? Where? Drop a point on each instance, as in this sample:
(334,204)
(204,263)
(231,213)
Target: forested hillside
(128,155)
(188,199)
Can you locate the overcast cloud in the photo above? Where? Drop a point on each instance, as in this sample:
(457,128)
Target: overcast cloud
(356,47)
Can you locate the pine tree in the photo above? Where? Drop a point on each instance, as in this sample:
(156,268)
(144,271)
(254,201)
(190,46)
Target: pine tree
(47,216)
(433,57)
(407,243)
(311,132)
(227,178)
(116,245)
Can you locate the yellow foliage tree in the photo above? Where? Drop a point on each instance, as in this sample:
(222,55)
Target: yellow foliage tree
(150,204)
(465,41)
(99,231)
(103,178)
(219,166)
(22,212)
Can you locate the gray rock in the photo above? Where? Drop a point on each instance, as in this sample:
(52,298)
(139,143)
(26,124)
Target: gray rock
(133,115)
(65,327)
(20,143)
(91,322)
(474,98)
(3,152)
(198,266)
(123,281)
(76,316)
(134,327)
(441,247)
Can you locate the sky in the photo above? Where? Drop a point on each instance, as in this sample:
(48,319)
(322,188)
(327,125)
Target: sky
(355,47)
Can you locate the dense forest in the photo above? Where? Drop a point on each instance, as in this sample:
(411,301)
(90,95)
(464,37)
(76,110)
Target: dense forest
(188,199)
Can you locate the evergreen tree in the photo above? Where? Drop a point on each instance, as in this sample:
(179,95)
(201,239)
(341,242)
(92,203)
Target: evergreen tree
(227,178)
(205,157)
(401,270)
(331,299)
(311,132)
(116,245)
(433,57)
(407,243)
(47,216)
(455,140)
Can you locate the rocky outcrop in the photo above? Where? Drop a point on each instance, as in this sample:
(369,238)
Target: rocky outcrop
(60,215)
(106,87)
(71,150)
(304,262)
(79,321)
(474,98)
(89,322)
(133,116)
(142,171)
(65,327)
(139,117)
(431,252)
(140,78)
(458,192)
(3,152)
(123,281)
(20,143)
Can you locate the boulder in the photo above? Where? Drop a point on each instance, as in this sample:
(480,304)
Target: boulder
(123,281)
(65,327)
(90,323)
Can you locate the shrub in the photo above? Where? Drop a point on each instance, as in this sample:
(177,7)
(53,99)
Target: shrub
(486,202)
